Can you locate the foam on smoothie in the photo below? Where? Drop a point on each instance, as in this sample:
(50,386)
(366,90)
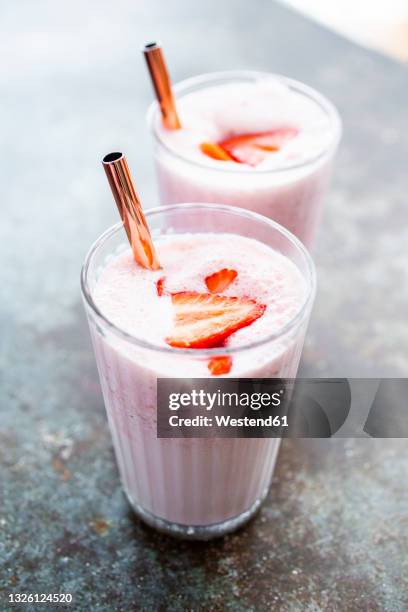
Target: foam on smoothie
(127,294)
(219,112)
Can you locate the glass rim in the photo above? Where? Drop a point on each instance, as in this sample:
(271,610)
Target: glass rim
(151,212)
(213,77)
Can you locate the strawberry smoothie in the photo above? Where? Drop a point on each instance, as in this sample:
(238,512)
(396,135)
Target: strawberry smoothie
(253,140)
(223,304)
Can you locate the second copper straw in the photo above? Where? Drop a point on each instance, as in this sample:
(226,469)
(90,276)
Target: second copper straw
(130,210)
(162,85)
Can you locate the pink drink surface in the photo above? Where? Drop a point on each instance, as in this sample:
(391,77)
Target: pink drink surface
(287,186)
(191,481)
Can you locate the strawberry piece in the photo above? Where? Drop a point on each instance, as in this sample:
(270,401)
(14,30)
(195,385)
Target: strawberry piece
(217,282)
(204,320)
(213,150)
(253,148)
(220,365)
(160,286)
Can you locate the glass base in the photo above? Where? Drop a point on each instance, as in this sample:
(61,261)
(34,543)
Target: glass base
(196,532)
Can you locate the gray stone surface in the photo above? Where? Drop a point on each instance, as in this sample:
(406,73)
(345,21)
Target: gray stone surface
(333,533)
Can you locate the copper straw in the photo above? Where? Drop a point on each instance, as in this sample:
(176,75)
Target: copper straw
(130,210)
(162,85)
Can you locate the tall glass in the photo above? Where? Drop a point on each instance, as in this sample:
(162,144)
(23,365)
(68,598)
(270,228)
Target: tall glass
(291,195)
(196,488)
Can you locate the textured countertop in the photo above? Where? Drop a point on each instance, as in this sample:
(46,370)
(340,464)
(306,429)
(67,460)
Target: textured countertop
(333,532)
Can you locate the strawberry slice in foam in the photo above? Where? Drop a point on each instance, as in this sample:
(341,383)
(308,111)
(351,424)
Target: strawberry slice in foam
(219,281)
(205,320)
(252,149)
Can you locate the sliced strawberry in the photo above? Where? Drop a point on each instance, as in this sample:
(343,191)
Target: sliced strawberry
(211,149)
(217,282)
(220,365)
(253,148)
(204,320)
(160,286)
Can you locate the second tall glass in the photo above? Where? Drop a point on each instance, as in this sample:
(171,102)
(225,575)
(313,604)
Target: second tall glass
(291,195)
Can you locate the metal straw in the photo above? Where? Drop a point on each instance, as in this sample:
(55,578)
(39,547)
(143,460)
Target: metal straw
(130,210)
(162,85)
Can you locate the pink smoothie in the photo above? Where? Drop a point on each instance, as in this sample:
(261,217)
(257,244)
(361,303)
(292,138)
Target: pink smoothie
(288,186)
(191,482)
